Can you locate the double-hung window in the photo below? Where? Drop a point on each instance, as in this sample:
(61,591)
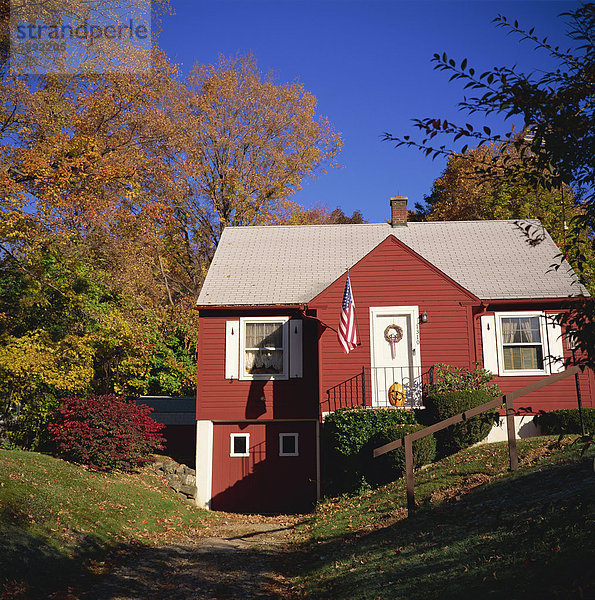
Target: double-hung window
(263,348)
(522,343)
(526,343)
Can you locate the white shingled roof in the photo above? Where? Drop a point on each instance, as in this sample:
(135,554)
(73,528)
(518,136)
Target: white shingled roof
(293,264)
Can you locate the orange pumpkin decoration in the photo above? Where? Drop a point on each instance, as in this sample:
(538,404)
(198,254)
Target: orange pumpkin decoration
(396,394)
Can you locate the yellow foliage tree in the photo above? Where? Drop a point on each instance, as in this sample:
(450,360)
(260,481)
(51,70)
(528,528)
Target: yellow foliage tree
(35,371)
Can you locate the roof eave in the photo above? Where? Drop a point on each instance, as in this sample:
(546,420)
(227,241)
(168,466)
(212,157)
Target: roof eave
(533,300)
(207,307)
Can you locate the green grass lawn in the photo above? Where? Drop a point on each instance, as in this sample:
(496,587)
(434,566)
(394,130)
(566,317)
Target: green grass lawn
(478,532)
(61,524)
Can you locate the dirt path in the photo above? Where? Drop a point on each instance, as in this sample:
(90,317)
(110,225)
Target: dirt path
(242,558)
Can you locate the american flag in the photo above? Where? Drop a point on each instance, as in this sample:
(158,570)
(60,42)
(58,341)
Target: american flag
(347,333)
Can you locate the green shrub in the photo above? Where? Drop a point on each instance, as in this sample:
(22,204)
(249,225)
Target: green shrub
(565,421)
(25,425)
(459,379)
(345,435)
(440,406)
(391,466)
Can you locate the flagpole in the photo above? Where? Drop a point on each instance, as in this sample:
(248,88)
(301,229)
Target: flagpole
(359,337)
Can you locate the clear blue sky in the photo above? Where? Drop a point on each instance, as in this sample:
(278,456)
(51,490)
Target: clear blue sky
(368,64)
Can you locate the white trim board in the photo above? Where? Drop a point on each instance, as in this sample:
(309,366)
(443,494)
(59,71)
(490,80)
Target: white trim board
(204,463)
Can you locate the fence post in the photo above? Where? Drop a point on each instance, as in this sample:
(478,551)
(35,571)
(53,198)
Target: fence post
(409,474)
(577,383)
(512,451)
(364,385)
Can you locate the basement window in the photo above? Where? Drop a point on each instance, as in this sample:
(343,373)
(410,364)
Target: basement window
(288,444)
(239,444)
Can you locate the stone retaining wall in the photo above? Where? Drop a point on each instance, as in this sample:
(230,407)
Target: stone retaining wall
(181,478)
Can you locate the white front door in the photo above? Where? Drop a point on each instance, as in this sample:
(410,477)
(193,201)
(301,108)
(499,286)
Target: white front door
(395,356)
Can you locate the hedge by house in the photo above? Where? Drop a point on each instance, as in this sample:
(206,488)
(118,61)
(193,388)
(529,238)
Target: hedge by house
(453,391)
(390,466)
(346,434)
(440,406)
(565,421)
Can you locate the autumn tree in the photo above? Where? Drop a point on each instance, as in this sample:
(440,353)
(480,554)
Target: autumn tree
(65,328)
(79,168)
(244,144)
(478,185)
(77,36)
(558,110)
(113,191)
(295,214)
(338,217)
(158,159)
(85,296)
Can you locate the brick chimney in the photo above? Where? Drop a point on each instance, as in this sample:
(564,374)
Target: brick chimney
(398,211)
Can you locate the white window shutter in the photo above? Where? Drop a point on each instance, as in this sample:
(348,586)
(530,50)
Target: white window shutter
(555,353)
(488,343)
(232,350)
(295,348)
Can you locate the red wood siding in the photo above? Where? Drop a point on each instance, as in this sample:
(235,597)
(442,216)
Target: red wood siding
(224,399)
(390,275)
(264,481)
(393,275)
(552,397)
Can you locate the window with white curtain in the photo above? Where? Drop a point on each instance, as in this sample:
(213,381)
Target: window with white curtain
(522,346)
(263,351)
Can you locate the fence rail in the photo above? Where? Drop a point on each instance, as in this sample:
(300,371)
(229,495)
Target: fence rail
(507,400)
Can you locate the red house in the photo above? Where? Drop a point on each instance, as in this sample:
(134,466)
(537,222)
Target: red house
(270,365)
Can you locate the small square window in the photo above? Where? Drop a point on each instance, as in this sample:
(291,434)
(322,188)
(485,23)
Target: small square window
(239,444)
(288,444)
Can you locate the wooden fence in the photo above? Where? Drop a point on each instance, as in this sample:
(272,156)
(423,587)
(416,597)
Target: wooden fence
(506,400)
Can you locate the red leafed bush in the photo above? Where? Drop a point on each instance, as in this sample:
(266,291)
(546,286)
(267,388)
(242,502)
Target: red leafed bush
(105,432)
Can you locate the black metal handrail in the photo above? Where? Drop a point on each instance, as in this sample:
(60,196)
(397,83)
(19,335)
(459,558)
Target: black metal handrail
(371,387)
(347,394)
(396,386)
